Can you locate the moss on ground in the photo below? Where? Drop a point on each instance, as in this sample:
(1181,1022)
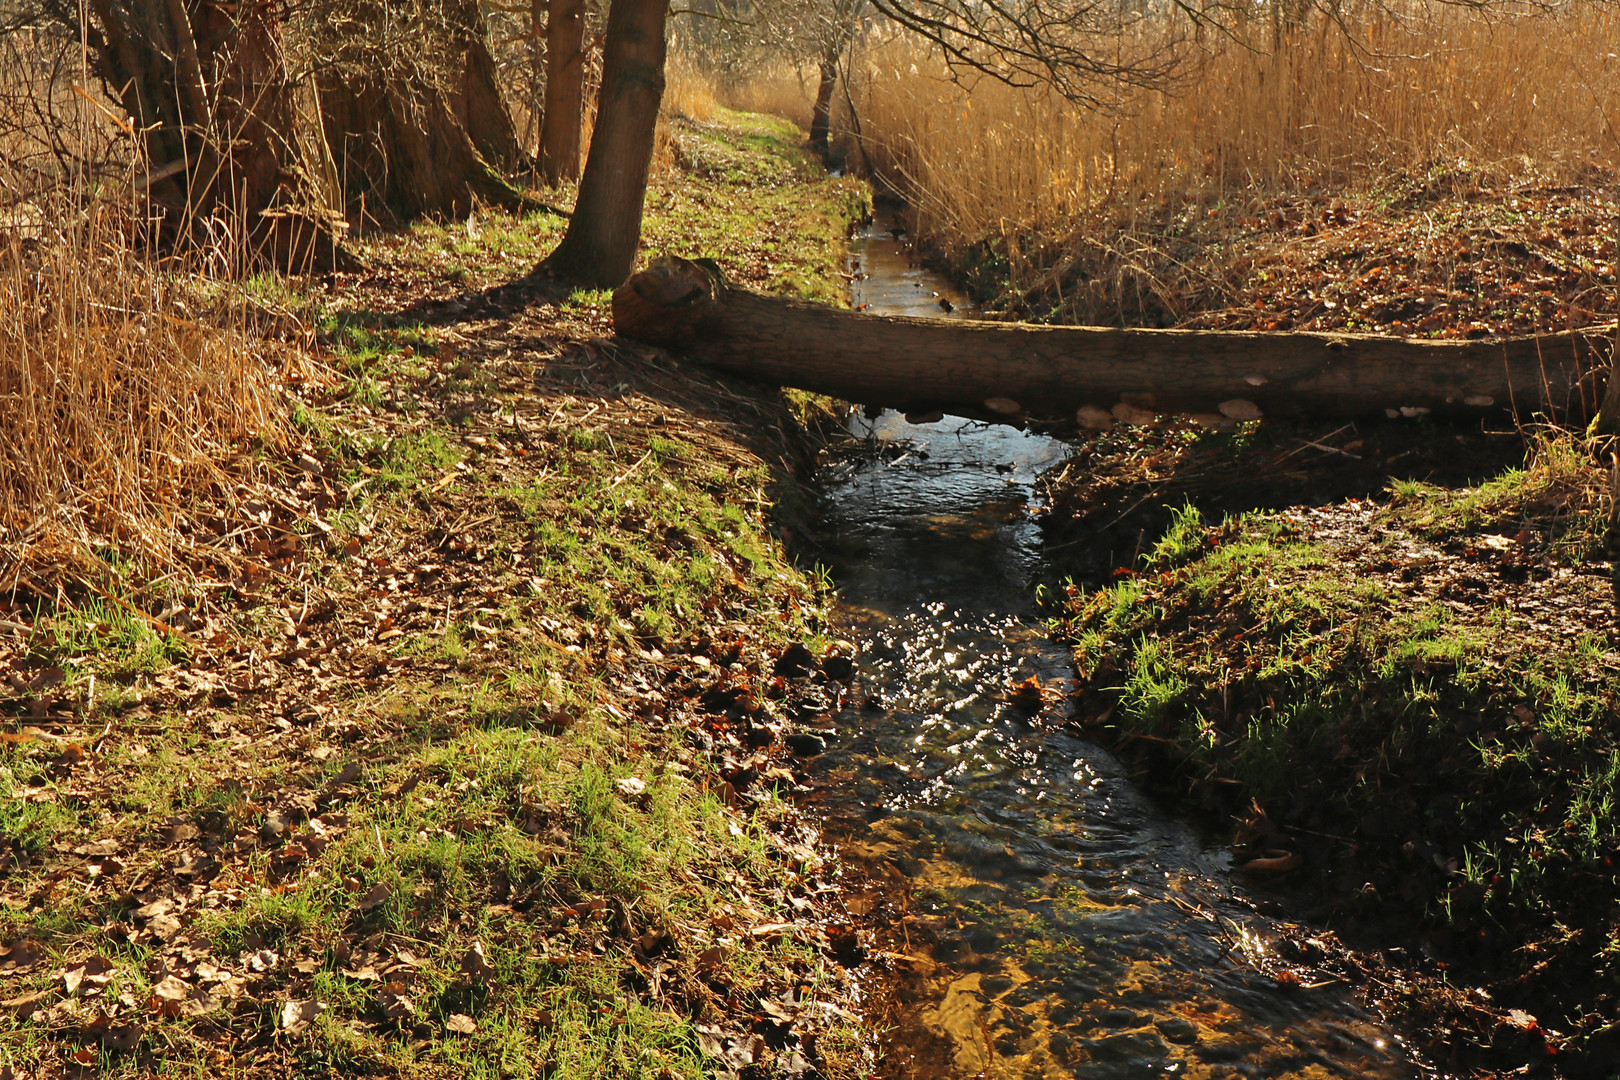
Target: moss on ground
(462,757)
(1418,695)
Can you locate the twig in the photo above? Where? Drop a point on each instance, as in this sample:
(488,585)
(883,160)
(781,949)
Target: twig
(1332,450)
(617,480)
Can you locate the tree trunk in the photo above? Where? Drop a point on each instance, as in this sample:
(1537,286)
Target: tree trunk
(565,90)
(207,84)
(1010,371)
(483,113)
(600,246)
(401,146)
(821,111)
(420,135)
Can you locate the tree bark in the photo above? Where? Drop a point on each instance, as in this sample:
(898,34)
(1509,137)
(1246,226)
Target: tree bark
(481,109)
(400,144)
(1011,372)
(599,248)
(565,91)
(821,111)
(418,133)
(208,86)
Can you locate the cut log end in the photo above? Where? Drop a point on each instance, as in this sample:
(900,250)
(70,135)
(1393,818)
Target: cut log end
(669,302)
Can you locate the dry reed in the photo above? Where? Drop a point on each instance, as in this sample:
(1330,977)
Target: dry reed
(780,89)
(1449,99)
(131,391)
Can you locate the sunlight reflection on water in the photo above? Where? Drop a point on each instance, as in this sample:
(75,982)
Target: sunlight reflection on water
(1064,926)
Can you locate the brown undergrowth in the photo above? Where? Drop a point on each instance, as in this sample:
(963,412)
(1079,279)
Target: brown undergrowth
(469,760)
(1437,256)
(137,404)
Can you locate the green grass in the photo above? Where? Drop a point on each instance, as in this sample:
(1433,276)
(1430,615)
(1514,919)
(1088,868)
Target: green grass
(749,196)
(464,779)
(1267,666)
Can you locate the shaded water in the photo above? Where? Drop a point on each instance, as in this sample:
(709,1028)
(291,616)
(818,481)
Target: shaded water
(1061,925)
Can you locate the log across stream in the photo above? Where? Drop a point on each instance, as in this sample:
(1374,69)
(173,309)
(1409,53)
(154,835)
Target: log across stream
(1014,371)
(1061,925)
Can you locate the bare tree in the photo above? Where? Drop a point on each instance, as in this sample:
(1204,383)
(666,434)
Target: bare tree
(599,248)
(835,24)
(1078,47)
(207,88)
(565,89)
(410,105)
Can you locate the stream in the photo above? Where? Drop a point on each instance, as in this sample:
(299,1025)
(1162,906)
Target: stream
(1060,923)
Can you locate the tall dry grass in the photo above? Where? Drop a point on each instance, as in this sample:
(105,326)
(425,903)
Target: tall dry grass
(133,391)
(689,89)
(780,88)
(1443,97)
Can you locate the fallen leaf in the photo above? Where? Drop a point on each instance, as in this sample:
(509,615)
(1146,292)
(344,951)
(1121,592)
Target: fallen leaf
(91,974)
(461,1024)
(378,895)
(121,1038)
(172,988)
(476,965)
(201,1003)
(296,1015)
(263,960)
(154,909)
(23,954)
(1273,862)
(395,1000)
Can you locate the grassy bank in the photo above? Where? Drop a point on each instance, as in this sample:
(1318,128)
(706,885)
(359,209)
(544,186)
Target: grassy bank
(454,746)
(1406,705)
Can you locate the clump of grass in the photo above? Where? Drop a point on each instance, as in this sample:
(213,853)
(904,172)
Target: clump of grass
(1562,497)
(1385,685)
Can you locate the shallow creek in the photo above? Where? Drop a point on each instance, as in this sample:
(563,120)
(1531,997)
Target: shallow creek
(1061,924)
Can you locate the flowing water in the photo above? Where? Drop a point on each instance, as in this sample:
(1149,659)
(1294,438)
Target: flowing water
(1060,924)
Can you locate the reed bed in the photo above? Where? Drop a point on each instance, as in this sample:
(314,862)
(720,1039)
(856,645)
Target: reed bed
(138,396)
(1445,102)
(125,395)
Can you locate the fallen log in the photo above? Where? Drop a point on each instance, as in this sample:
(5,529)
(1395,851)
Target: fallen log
(1015,371)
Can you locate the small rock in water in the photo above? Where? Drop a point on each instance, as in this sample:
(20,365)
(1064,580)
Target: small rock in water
(838,668)
(802,745)
(933,417)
